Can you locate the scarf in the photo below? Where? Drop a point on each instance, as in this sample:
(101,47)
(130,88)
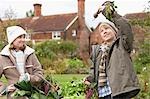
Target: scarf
(102,66)
(20,60)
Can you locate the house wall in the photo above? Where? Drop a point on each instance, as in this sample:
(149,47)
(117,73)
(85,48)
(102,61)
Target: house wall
(68,32)
(41,36)
(95,37)
(65,35)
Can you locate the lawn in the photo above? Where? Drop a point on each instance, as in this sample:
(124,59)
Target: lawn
(63,78)
(60,78)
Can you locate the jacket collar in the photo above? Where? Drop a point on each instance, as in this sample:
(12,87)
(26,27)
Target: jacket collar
(6,51)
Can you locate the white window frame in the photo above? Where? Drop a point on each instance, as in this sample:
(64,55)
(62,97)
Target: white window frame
(56,35)
(74,33)
(28,37)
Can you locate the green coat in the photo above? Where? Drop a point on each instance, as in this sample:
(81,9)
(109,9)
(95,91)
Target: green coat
(119,68)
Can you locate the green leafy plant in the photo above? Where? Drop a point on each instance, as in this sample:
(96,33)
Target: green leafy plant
(76,89)
(108,11)
(47,90)
(25,89)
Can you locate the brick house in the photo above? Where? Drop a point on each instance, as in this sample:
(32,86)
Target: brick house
(51,27)
(69,26)
(61,26)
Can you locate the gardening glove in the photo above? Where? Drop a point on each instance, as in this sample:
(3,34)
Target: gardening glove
(25,77)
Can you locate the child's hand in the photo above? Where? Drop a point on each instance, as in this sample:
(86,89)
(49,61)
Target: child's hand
(86,82)
(25,77)
(10,88)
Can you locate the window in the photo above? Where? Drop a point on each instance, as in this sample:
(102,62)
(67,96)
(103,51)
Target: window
(56,35)
(28,37)
(74,33)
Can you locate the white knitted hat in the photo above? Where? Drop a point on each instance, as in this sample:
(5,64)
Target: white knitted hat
(13,32)
(110,24)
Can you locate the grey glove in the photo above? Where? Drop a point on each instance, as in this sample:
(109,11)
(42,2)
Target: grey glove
(25,77)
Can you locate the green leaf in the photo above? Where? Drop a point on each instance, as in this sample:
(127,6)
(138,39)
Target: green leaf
(20,93)
(23,85)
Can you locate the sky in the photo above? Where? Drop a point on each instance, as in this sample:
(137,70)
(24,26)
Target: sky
(51,7)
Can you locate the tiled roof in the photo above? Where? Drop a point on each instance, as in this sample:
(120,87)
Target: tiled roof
(140,15)
(48,23)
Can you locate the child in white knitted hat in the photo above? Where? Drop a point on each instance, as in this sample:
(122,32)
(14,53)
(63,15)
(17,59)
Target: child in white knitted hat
(18,61)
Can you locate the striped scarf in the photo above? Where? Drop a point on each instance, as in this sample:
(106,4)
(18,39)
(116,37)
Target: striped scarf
(102,66)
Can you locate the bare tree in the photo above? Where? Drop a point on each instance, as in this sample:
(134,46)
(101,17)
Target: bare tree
(9,15)
(147,7)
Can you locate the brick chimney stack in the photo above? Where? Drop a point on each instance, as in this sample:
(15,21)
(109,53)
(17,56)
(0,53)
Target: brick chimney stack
(37,9)
(83,32)
(81,13)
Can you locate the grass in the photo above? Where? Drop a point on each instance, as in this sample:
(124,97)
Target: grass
(63,78)
(60,78)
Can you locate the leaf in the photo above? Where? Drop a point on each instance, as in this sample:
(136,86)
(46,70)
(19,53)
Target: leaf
(20,93)
(23,85)
(32,92)
(35,95)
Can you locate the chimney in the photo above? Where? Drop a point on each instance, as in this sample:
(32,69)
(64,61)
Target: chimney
(83,33)
(37,9)
(81,13)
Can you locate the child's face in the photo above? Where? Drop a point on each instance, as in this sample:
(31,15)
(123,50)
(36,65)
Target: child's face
(107,33)
(19,42)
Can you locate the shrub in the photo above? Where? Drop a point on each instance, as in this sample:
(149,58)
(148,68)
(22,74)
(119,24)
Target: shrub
(46,50)
(68,47)
(53,54)
(60,66)
(76,66)
(75,62)
(143,58)
(142,63)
